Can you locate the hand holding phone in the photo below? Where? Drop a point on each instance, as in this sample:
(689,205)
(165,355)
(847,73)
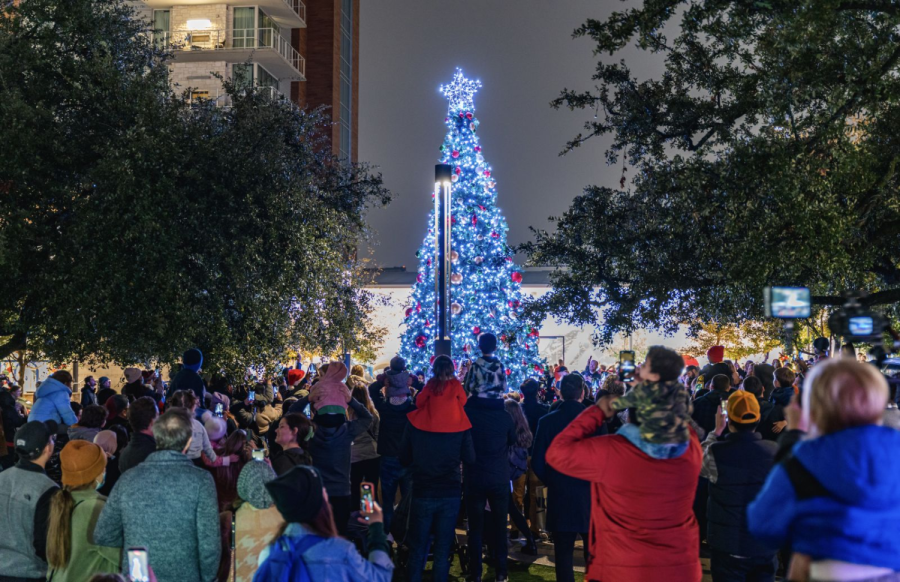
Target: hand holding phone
(251,395)
(220,412)
(366,497)
(259,455)
(137,565)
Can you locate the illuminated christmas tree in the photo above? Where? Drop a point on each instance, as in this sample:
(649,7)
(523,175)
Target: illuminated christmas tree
(486,294)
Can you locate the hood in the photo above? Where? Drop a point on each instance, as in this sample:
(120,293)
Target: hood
(488,378)
(397,383)
(336,372)
(82,433)
(329,433)
(859,465)
(51,386)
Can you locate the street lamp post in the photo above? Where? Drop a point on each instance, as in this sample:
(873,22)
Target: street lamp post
(442,342)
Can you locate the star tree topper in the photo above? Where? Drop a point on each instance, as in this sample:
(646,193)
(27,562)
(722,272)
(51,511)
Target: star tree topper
(461,92)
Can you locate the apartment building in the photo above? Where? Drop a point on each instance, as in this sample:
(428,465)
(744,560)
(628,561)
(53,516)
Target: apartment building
(307,52)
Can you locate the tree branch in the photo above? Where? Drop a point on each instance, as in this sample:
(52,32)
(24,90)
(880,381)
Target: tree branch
(13,344)
(870,6)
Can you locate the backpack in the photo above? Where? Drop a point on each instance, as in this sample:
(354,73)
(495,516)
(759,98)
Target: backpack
(518,462)
(285,561)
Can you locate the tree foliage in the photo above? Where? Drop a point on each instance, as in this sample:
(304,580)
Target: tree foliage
(133,225)
(765,153)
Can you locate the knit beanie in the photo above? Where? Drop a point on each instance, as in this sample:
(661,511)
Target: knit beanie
(297,494)
(215,427)
(81,462)
(132,375)
(251,485)
(192,359)
(715,354)
(106,440)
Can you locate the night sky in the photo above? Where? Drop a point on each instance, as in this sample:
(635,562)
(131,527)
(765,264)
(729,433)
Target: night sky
(524,55)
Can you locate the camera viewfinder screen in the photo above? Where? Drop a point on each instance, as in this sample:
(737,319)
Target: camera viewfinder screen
(861,325)
(790,302)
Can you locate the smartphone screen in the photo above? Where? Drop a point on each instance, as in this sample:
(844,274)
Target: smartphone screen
(251,395)
(259,455)
(138,569)
(219,410)
(367,497)
(275,390)
(626,366)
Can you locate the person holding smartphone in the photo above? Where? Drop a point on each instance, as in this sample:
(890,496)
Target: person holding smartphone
(312,536)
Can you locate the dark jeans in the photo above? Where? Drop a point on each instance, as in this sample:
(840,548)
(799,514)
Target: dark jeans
(363,471)
(519,520)
(492,525)
(340,508)
(429,516)
(393,475)
(564,554)
(728,568)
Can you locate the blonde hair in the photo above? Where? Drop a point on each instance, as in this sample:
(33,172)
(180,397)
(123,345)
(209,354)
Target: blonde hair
(59,532)
(844,393)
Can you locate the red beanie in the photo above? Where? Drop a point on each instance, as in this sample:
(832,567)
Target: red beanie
(294,376)
(715,354)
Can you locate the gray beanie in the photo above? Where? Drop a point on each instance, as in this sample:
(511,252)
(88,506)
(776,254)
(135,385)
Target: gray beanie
(251,485)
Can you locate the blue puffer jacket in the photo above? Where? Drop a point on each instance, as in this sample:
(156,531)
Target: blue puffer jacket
(53,401)
(857,522)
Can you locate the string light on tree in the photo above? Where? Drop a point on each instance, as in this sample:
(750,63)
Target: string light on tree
(486,283)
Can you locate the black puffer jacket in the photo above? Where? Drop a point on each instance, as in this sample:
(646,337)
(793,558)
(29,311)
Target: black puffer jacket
(12,420)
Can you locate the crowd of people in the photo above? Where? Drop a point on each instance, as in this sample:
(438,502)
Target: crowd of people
(786,467)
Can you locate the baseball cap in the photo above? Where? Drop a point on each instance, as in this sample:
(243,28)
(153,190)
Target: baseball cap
(743,407)
(32,437)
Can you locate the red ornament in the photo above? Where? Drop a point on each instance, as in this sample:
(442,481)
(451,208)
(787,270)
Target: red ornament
(508,259)
(431,360)
(469,115)
(503,338)
(455,154)
(538,369)
(516,277)
(452,220)
(418,307)
(427,323)
(495,235)
(466,348)
(508,371)
(476,330)
(458,170)
(420,341)
(474,220)
(419,278)
(477,148)
(487,173)
(461,114)
(409,311)
(480,207)
(510,303)
(428,262)
(526,347)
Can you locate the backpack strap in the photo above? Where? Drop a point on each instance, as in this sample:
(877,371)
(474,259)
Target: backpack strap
(805,484)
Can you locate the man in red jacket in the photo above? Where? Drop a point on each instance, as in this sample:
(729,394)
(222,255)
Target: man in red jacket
(643,478)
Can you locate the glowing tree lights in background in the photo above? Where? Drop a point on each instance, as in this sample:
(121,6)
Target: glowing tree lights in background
(485,284)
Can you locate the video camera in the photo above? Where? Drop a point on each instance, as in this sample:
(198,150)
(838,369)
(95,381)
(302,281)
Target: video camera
(852,322)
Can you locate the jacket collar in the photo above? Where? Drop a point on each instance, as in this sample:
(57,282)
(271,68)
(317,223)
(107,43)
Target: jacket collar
(168,457)
(669,451)
(741,436)
(143,437)
(27,465)
(571,406)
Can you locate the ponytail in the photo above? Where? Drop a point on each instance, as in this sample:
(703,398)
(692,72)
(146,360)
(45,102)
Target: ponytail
(59,535)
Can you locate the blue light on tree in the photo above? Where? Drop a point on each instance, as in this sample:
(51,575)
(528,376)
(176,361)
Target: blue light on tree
(485,283)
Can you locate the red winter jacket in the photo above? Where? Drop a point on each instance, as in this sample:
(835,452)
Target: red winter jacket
(642,522)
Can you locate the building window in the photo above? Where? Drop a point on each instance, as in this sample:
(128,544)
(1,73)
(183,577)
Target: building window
(244,32)
(346,109)
(161,28)
(265,78)
(242,76)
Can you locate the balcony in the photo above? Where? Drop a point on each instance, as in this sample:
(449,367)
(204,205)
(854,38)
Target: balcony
(262,45)
(287,13)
